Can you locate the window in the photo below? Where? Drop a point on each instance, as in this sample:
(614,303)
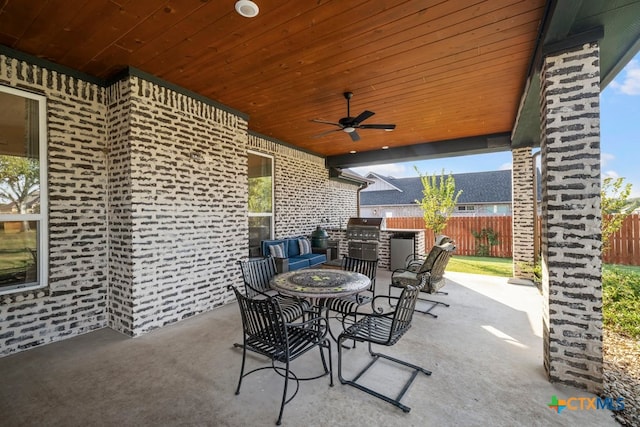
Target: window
(23,191)
(260,201)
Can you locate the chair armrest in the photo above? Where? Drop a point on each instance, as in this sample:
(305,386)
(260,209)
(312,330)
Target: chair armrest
(325,251)
(401,270)
(414,266)
(282,264)
(313,322)
(414,258)
(379,312)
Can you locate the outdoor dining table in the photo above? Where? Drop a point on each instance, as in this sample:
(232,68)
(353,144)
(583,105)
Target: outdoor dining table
(316,284)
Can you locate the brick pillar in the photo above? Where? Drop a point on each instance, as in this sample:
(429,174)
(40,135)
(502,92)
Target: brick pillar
(571,218)
(522,218)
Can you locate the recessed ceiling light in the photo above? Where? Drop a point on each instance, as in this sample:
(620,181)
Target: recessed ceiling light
(353,151)
(247,8)
(389,130)
(385,147)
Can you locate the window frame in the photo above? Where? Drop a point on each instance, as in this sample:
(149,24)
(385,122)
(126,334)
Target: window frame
(273,196)
(42,218)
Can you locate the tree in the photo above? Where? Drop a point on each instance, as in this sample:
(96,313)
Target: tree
(615,205)
(438,201)
(260,194)
(19,179)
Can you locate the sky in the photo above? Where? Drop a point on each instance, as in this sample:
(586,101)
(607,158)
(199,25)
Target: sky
(619,139)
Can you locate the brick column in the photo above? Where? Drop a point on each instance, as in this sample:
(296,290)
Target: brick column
(522,218)
(571,236)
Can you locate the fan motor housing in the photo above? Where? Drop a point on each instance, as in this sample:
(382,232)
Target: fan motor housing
(346,121)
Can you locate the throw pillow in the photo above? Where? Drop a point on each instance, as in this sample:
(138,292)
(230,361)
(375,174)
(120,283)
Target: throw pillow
(277,250)
(305,246)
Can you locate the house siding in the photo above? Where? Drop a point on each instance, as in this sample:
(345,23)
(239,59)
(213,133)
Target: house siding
(148,206)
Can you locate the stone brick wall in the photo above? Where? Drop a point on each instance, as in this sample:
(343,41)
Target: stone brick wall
(384,243)
(121,299)
(571,237)
(305,197)
(522,218)
(75,301)
(148,206)
(188,206)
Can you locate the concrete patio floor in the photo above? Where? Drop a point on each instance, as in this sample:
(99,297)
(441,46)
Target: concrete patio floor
(485,352)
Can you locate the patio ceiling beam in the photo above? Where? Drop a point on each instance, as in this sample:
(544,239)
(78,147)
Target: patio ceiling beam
(431,150)
(571,23)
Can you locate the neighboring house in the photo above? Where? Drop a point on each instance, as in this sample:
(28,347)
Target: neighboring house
(483,194)
(32,205)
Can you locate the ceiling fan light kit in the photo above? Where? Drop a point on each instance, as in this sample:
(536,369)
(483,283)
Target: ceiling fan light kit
(351,124)
(247,8)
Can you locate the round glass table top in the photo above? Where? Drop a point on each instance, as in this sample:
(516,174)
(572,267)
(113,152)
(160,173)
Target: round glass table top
(320,283)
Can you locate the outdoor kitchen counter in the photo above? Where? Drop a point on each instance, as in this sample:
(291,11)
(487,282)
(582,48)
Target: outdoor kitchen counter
(384,243)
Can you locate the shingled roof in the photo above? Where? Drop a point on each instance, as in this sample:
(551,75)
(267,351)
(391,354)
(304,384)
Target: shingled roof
(477,187)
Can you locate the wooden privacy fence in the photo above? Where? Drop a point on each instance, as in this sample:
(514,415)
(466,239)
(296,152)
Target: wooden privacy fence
(624,245)
(624,248)
(460,228)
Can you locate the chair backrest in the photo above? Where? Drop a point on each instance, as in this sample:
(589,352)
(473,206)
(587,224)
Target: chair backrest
(436,274)
(262,321)
(257,273)
(441,239)
(440,263)
(435,253)
(430,260)
(362,266)
(405,308)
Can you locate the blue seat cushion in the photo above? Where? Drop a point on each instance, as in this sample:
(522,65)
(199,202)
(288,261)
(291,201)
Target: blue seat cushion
(314,258)
(298,263)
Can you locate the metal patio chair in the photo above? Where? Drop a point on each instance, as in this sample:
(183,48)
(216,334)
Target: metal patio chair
(257,274)
(345,306)
(432,267)
(384,329)
(266,332)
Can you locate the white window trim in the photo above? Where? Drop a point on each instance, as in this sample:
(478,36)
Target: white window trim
(273,195)
(43,216)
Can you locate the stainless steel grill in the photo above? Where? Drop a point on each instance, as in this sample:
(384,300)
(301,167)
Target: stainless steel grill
(363,235)
(364,228)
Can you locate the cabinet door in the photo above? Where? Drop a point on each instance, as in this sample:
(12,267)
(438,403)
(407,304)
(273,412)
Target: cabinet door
(369,251)
(355,250)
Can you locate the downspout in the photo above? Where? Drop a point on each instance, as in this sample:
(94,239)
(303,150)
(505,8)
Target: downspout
(360,188)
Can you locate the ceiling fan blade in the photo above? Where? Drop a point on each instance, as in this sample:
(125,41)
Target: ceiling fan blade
(389,127)
(325,133)
(363,116)
(354,136)
(325,122)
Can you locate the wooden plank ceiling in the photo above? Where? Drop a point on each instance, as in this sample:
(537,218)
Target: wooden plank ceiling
(437,69)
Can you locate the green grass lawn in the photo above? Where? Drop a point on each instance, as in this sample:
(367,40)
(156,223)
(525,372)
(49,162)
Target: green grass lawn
(14,249)
(620,289)
(501,267)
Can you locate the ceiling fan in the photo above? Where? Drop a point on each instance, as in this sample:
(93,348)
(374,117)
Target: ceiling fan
(350,124)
